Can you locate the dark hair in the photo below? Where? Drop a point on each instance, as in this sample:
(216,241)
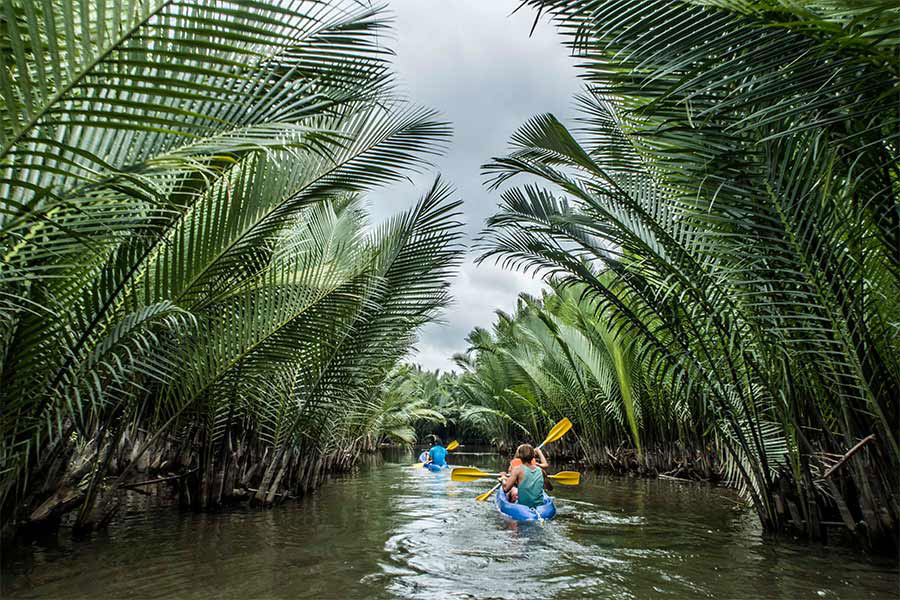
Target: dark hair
(525,453)
(435,440)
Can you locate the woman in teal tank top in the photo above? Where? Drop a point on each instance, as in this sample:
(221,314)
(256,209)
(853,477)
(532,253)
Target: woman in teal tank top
(531,488)
(529,479)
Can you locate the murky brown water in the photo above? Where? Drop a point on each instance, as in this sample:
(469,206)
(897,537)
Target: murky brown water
(389,531)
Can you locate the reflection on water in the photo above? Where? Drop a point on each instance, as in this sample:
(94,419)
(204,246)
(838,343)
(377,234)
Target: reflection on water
(390,531)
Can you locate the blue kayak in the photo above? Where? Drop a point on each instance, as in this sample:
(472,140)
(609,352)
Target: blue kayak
(431,467)
(519,512)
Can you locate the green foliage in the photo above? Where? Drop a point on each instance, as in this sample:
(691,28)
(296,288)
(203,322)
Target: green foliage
(445,411)
(556,358)
(730,199)
(183,240)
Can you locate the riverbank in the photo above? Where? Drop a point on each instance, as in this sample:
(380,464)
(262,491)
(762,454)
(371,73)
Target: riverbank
(139,473)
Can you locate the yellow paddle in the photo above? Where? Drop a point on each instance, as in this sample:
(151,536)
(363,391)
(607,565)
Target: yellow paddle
(473,474)
(450,447)
(557,432)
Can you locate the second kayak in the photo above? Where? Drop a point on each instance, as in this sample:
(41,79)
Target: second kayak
(519,512)
(431,467)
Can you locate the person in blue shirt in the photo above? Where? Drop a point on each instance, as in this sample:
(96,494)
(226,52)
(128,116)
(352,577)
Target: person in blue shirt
(437,454)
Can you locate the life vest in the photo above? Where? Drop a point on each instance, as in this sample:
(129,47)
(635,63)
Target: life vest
(517,462)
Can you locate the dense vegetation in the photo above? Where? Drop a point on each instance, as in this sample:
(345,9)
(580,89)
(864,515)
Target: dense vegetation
(729,203)
(441,403)
(556,357)
(189,285)
(190,288)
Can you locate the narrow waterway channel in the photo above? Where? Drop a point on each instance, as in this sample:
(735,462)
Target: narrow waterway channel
(389,531)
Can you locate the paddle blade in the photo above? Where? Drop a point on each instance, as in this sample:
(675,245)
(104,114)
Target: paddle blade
(469,474)
(418,465)
(487,494)
(558,431)
(452,445)
(566,477)
(471,471)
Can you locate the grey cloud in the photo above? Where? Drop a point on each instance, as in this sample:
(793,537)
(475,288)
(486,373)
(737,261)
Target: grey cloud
(478,292)
(476,64)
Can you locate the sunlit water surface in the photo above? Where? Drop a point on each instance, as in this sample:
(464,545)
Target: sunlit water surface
(389,531)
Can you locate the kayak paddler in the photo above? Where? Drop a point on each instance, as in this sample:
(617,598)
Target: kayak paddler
(437,454)
(527,477)
(539,460)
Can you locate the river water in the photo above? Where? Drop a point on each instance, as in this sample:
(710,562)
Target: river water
(390,531)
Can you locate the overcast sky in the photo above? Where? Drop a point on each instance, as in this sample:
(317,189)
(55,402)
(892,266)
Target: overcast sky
(475,63)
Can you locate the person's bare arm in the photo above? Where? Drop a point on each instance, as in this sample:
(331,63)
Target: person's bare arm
(541,459)
(514,478)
